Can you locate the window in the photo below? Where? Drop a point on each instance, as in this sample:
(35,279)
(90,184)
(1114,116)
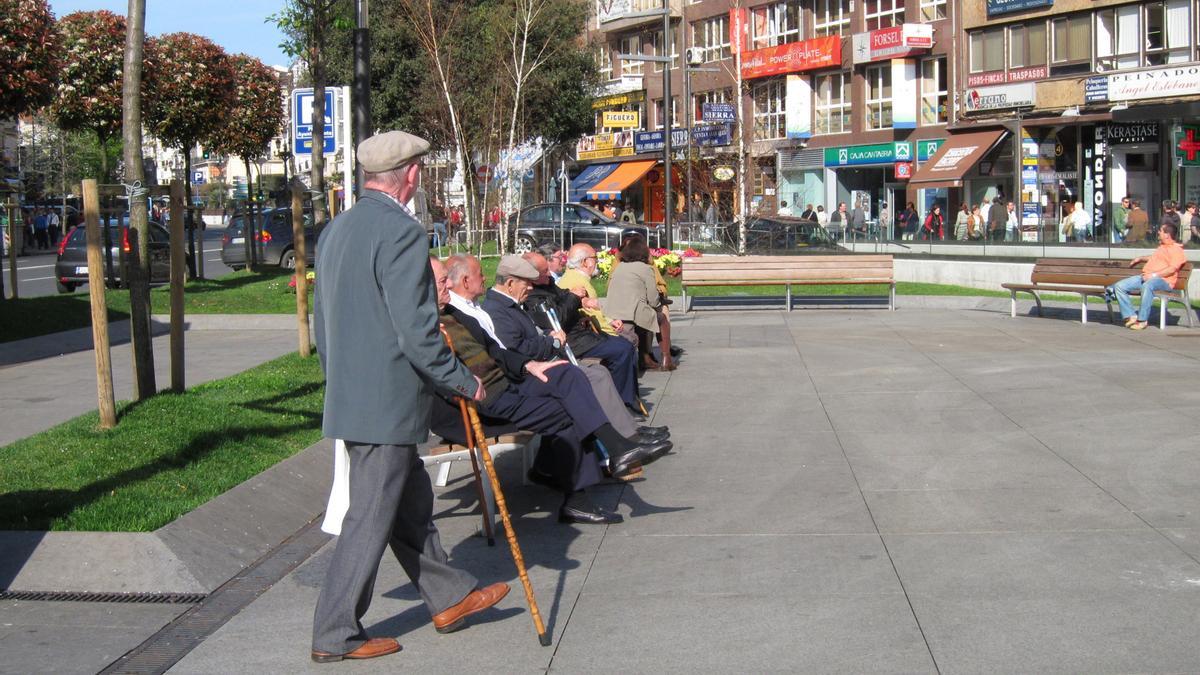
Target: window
(932,10)
(1071,48)
(775,24)
(712,35)
(879,97)
(714,96)
(1167,39)
(659,51)
(831,17)
(933,91)
(1027,45)
(987,50)
(604,61)
(1135,36)
(769,110)
(883,13)
(833,103)
(631,44)
(658,113)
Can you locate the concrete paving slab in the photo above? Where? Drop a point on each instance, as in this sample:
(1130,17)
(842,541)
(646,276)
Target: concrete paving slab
(995,510)
(1161,505)
(115,562)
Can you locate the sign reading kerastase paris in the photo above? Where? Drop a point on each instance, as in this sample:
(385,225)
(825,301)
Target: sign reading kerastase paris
(794,57)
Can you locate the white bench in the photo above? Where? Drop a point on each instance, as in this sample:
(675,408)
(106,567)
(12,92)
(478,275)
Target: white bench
(444,456)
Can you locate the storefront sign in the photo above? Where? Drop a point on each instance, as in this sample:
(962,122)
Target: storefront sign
(1008,77)
(709,135)
(602,146)
(723,173)
(1122,133)
(926,149)
(1000,98)
(878,153)
(798,106)
(907,39)
(617,100)
(1095,173)
(995,7)
(621,119)
(611,10)
(737,29)
(1187,146)
(794,57)
(718,112)
(1157,83)
(903,170)
(904,93)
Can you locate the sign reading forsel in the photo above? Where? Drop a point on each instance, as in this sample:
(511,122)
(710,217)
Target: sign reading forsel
(892,43)
(1154,83)
(794,57)
(999,98)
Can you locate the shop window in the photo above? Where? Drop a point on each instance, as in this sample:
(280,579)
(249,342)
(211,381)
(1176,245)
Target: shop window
(831,17)
(604,61)
(658,112)
(883,13)
(879,97)
(833,103)
(932,10)
(659,50)
(934,94)
(1027,45)
(775,24)
(712,36)
(631,44)
(769,110)
(1071,45)
(987,50)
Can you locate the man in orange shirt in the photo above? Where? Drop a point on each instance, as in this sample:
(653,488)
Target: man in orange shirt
(1160,273)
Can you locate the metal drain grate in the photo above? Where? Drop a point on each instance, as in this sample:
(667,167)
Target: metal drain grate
(88,596)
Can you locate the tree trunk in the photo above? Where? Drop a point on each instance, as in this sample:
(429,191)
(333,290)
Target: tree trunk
(301,252)
(249,224)
(189,218)
(317,64)
(139,230)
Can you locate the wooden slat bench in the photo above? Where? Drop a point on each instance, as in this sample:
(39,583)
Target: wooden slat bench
(788,271)
(1089,278)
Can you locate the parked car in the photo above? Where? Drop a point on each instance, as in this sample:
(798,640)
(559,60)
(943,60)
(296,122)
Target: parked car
(788,234)
(274,241)
(71,271)
(545,223)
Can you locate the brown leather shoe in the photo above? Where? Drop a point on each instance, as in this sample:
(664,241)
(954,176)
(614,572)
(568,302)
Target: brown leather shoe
(367,650)
(478,600)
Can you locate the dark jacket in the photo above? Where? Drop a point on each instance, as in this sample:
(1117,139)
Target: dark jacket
(375,316)
(998,217)
(1139,224)
(516,329)
(581,336)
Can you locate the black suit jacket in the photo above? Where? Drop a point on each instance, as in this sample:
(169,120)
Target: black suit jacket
(517,330)
(578,326)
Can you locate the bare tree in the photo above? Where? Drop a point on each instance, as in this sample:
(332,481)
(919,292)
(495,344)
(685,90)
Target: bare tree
(139,270)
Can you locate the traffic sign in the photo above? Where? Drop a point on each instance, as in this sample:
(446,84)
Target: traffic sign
(302,122)
(198,177)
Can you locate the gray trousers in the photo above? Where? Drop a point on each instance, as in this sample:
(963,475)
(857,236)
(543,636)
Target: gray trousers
(391,504)
(608,397)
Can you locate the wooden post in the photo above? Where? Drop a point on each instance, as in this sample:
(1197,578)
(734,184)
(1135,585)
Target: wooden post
(334,206)
(16,236)
(301,251)
(104,382)
(178,272)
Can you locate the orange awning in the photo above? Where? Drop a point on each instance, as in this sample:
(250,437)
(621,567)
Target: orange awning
(615,183)
(954,159)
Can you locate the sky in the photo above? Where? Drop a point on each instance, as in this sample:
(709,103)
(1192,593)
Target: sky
(237,25)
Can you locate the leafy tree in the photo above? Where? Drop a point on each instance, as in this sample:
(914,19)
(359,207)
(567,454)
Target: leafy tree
(88,95)
(255,118)
(28,56)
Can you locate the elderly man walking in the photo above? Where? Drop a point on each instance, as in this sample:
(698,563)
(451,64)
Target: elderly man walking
(376,319)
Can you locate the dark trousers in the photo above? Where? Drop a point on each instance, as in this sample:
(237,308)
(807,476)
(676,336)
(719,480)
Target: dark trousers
(564,407)
(621,359)
(43,239)
(391,504)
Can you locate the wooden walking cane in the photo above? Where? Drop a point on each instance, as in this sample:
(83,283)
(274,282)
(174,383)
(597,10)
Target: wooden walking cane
(472,447)
(476,427)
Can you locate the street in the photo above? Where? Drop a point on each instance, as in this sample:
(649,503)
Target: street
(35,273)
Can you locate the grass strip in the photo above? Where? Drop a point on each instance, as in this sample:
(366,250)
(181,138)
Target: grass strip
(167,455)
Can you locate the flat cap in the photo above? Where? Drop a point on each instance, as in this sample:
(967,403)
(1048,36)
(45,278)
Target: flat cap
(516,266)
(386,151)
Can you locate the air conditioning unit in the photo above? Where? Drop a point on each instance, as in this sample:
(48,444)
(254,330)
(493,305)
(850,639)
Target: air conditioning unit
(695,56)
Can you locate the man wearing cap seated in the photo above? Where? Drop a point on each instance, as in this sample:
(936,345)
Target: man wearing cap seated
(550,397)
(376,320)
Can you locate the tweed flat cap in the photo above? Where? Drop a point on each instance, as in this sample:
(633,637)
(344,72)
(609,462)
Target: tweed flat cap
(516,266)
(386,151)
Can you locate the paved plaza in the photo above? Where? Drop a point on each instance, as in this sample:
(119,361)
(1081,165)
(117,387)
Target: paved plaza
(853,490)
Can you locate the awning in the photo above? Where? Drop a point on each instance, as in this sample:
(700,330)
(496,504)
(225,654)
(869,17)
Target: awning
(587,178)
(627,173)
(955,158)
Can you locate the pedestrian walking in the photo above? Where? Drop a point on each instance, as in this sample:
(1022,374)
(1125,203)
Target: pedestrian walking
(962,223)
(935,224)
(911,221)
(1139,223)
(1121,220)
(54,227)
(41,230)
(376,319)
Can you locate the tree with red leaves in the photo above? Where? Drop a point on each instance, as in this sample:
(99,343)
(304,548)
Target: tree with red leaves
(28,56)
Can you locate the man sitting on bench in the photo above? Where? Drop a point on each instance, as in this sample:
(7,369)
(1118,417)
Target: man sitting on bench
(1159,274)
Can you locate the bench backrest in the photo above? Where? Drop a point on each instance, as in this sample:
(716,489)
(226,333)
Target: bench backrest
(788,268)
(1083,272)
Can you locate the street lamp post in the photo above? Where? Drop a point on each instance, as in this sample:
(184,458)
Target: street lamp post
(688,69)
(362,83)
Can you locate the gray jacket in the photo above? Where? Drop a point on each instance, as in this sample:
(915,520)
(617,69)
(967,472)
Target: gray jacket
(376,319)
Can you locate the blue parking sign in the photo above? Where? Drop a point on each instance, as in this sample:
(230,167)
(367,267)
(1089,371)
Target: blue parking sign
(302,122)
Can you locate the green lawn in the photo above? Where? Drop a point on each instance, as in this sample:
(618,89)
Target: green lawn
(167,455)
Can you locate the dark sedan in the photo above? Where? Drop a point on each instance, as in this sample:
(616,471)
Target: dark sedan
(573,223)
(274,241)
(71,271)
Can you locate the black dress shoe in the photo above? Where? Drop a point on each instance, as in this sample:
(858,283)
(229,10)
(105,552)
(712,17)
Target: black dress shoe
(654,432)
(646,439)
(588,516)
(640,455)
(676,351)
